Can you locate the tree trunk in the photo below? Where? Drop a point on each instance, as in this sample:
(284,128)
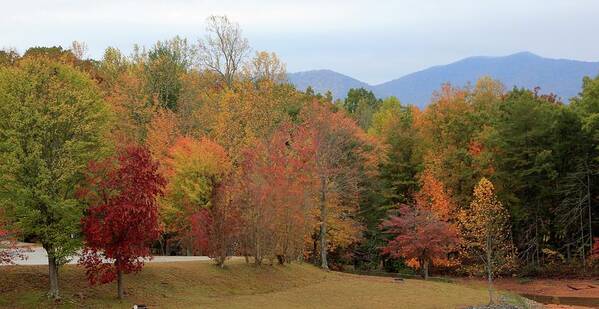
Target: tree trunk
(323,225)
(119,283)
(53,274)
(257,252)
(590,212)
(490,281)
(490,267)
(583,256)
(161,242)
(220,261)
(425,268)
(315,249)
(119,280)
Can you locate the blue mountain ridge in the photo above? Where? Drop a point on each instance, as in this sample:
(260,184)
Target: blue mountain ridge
(560,76)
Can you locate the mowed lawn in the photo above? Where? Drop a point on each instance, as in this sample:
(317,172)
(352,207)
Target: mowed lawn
(203,285)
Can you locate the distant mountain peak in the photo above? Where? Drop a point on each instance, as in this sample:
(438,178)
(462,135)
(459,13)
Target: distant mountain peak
(324,80)
(523,69)
(525,54)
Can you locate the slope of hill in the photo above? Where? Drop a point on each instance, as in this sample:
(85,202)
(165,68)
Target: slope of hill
(560,76)
(238,285)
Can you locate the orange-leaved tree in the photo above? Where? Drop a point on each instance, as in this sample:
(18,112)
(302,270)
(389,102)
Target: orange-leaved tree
(343,154)
(433,196)
(276,193)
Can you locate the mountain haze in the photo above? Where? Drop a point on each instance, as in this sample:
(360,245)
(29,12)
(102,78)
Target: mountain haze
(560,76)
(323,80)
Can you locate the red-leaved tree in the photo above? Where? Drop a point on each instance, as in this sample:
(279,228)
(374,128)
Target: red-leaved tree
(419,235)
(122,219)
(216,229)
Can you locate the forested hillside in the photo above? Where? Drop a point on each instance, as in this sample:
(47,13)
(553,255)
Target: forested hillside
(203,148)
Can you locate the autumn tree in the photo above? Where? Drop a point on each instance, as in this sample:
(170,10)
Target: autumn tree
(342,152)
(64,56)
(486,232)
(419,236)
(128,100)
(434,197)
(277,185)
(53,122)
(194,168)
(454,129)
(200,207)
(122,219)
(424,233)
(266,66)
(223,49)
(162,133)
(238,118)
(217,229)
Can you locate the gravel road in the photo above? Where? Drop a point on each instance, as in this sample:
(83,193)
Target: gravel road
(38,256)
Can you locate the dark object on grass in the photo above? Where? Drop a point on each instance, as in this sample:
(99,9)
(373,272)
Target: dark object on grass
(281,259)
(140,306)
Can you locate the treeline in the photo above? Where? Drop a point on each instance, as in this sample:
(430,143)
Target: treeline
(204,148)
(540,154)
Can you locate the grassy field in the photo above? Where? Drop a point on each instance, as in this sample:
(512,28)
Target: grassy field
(202,285)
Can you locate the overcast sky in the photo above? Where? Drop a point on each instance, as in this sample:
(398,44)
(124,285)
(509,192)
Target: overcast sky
(373,41)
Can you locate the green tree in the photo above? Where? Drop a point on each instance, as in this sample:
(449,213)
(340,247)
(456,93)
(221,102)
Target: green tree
(112,65)
(164,67)
(361,104)
(585,174)
(528,167)
(393,123)
(393,126)
(53,123)
(586,104)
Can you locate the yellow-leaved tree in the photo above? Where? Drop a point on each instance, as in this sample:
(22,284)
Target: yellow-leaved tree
(486,233)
